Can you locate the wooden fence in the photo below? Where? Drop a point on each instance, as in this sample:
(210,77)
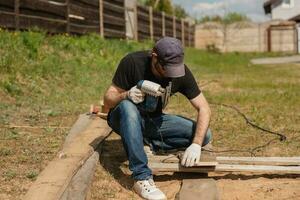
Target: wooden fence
(153,25)
(105,17)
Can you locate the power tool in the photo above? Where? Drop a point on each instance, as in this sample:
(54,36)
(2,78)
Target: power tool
(153,92)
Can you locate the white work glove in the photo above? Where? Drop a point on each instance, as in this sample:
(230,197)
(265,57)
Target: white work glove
(191,155)
(136,95)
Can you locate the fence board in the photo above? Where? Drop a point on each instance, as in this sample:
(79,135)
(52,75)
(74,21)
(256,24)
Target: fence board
(86,3)
(108,19)
(169,25)
(85,12)
(7,6)
(115,10)
(7,19)
(83,29)
(42,8)
(111,33)
(186,34)
(82,16)
(52,26)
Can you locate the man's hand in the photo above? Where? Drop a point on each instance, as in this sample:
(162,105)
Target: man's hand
(191,155)
(136,95)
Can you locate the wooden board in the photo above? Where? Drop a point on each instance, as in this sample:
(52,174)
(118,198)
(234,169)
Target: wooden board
(274,161)
(54,179)
(176,167)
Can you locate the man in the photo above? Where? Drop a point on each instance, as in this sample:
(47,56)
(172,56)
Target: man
(162,65)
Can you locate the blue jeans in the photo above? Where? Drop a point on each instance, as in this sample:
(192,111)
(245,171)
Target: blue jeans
(164,132)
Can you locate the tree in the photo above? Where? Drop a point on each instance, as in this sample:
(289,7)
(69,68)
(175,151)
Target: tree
(228,18)
(179,11)
(161,5)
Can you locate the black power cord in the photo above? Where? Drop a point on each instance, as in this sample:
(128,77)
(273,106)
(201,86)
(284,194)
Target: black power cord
(252,151)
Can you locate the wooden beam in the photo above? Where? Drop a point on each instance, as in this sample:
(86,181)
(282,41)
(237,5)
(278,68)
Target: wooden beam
(55,178)
(182,32)
(101,27)
(174,26)
(151,22)
(275,161)
(163,24)
(258,168)
(68,16)
(176,167)
(136,33)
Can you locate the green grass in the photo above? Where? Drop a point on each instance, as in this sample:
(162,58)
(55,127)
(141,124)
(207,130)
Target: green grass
(49,80)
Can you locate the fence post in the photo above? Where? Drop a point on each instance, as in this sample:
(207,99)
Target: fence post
(135,10)
(101,29)
(68,16)
(17,12)
(151,22)
(296,38)
(163,24)
(174,26)
(182,32)
(189,35)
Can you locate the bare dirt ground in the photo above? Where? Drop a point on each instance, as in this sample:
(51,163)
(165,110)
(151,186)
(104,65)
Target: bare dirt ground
(112,180)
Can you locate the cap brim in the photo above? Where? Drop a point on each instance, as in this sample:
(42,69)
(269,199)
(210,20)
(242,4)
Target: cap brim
(174,71)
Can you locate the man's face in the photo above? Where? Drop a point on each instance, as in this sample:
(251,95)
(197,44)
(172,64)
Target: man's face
(157,69)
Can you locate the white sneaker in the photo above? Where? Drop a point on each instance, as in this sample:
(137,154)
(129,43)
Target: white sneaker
(148,190)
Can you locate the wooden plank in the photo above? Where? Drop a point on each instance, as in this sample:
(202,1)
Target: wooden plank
(260,160)
(54,179)
(86,3)
(87,13)
(205,157)
(258,169)
(83,29)
(114,8)
(49,25)
(109,19)
(115,2)
(7,19)
(6,3)
(176,167)
(111,33)
(42,8)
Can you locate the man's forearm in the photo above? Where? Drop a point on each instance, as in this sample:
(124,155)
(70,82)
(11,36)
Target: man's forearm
(202,126)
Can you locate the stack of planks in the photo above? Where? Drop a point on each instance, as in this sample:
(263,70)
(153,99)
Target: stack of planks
(208,163)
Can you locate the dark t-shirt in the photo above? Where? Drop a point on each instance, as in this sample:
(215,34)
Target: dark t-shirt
(136,66)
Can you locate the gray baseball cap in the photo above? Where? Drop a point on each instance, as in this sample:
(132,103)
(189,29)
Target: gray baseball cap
(170,55)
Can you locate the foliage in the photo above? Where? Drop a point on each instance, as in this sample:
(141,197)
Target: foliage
(180,12)
(161,5)
(229,18)
(166,6)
